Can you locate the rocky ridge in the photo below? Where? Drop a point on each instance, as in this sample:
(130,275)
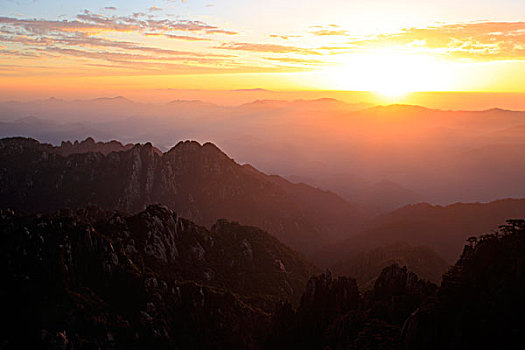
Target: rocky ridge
(480,303)
(95,278)
(200,182)
(365,267)
(333,314)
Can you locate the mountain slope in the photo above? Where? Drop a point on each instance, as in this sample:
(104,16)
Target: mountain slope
(150,280)
(333,314)
(444,229)
(480,304)
(198,181)
(366,266)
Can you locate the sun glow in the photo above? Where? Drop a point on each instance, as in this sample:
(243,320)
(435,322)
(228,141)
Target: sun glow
(391,73)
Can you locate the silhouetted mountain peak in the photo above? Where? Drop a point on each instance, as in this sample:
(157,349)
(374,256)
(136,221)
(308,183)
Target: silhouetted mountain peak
(112,99)
(207,152)
(89,141)
(497,110)
(198,181)
(89,145)
(400,108)
(324,292)
(396,280)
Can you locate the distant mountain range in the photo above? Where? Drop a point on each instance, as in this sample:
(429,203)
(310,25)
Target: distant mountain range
(381,157)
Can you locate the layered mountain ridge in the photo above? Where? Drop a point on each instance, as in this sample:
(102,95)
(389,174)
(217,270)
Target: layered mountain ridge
(367,265)
(91,277)
(443,229)
(199,181)
(480,303)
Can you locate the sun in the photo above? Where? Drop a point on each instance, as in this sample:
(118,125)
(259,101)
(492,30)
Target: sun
(390,73)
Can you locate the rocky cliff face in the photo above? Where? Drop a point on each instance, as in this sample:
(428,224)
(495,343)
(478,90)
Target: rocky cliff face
(334,315)
(397,293)
(90,146)
(90,278)
(480,304)
(198,181)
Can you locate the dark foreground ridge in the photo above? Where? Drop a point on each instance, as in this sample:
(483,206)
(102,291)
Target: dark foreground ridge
(89,279)
(151,280)
(481,302)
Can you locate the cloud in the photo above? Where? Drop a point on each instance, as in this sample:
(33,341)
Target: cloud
(132,57)
(180,37)
(326,32)
(186,37)
(221,31)
(18,53)
(283,36)
(86,40)
(300,61)
(483,41)
(110,8)
(273,48)
(96,23)
(154,8)
(79,45)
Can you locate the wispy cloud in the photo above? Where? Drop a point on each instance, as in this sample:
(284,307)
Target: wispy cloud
(186,37)
(283,36)
(95,23)
(477,41)
(326,32)
(92,40)
(151,42)
(179,37)
(85,40)
(273,48)
(294,60)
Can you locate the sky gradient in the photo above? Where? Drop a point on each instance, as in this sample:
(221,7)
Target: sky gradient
(391,47)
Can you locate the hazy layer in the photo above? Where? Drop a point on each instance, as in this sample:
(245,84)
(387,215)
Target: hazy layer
(383,157)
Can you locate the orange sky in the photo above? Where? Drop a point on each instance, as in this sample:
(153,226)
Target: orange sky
(133,48)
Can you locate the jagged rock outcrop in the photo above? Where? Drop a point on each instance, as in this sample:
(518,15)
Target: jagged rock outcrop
(324,300)
(95,279)
(200,182)
(480,303)
(397,293)
(396,280)
(89,145)
(334,315)
(366,266)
